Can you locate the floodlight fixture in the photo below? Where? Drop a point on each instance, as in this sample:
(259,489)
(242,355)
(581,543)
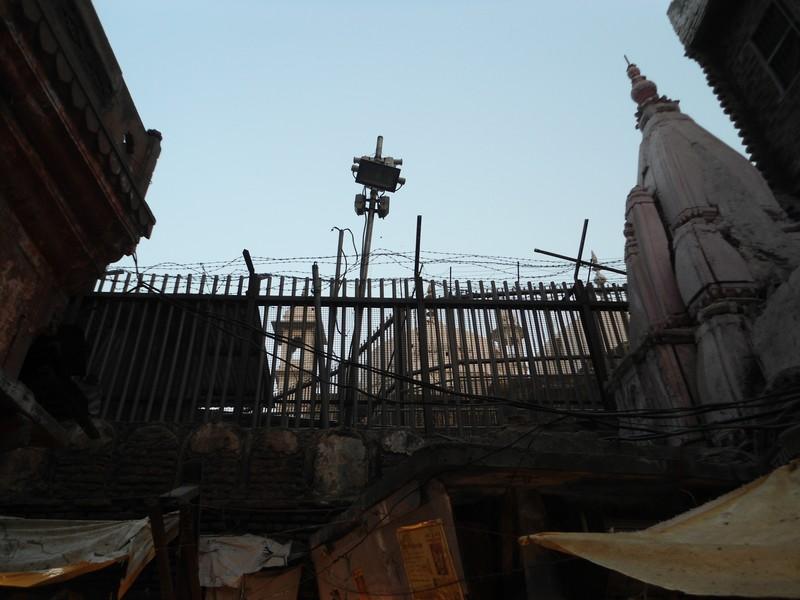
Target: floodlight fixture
(383,207)
(361,204)
(378,175)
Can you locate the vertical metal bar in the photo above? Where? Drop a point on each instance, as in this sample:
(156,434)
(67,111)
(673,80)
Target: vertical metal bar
(212,376)
(567,346)
(261,367)
(199,373)
(399,356)
(616,320)
(287,358)
(332,310)
(319,340)
(422,336)
(529,352)
(144,372)
(471,386)
(90,360)
(455,368)
(593,340)
(302,372)
(502,335)
(132,360)
(110,337)
(583,355)
(382,349)
(492,358)
(249,337)
(369,358)
(583,352)
(568,335)
(165,333)
(229,340)
(440,360)
(176,352)
(513,335)
(490,336)
(474,352)
(580,250)
(553,341)
(411,364)
(121,355)
(341,378)
(263,374)
(271,408)
(189,357)
(542,352)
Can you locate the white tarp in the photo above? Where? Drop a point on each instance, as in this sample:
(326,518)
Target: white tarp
(745,543)
(42,551)
(224,559)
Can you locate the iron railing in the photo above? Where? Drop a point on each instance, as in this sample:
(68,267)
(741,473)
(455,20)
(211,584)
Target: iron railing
(278,351)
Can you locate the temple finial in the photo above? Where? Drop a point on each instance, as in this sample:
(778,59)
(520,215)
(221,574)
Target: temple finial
(643,90)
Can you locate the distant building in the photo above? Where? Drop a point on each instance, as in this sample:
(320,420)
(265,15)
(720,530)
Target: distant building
(294,345)
(750,52)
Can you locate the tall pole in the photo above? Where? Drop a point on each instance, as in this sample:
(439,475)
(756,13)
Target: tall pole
(374,204)
(580,250)
(352,379)
(422,335)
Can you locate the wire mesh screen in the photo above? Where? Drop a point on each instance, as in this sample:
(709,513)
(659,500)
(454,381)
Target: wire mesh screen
(286,352)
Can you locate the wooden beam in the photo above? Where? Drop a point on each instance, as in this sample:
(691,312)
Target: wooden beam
(160,544)
(189,577)
(25,402)
(541,576)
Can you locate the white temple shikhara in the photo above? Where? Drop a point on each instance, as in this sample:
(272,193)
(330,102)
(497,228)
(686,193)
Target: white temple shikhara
(712,267)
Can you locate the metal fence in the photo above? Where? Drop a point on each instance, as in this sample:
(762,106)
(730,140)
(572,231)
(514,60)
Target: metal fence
(279,351)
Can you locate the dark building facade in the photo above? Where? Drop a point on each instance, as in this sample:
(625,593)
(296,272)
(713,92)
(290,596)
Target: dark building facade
(750,52)
(75,165)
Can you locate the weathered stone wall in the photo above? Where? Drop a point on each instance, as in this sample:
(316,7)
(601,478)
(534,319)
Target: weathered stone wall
(250,479)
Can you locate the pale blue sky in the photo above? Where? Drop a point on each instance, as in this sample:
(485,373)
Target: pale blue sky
(513,118)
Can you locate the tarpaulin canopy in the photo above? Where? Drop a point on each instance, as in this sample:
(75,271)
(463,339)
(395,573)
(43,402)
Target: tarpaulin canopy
(225,558)
(35,552)
(745,543)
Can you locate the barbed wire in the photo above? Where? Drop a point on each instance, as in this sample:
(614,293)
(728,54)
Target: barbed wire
(385,263)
